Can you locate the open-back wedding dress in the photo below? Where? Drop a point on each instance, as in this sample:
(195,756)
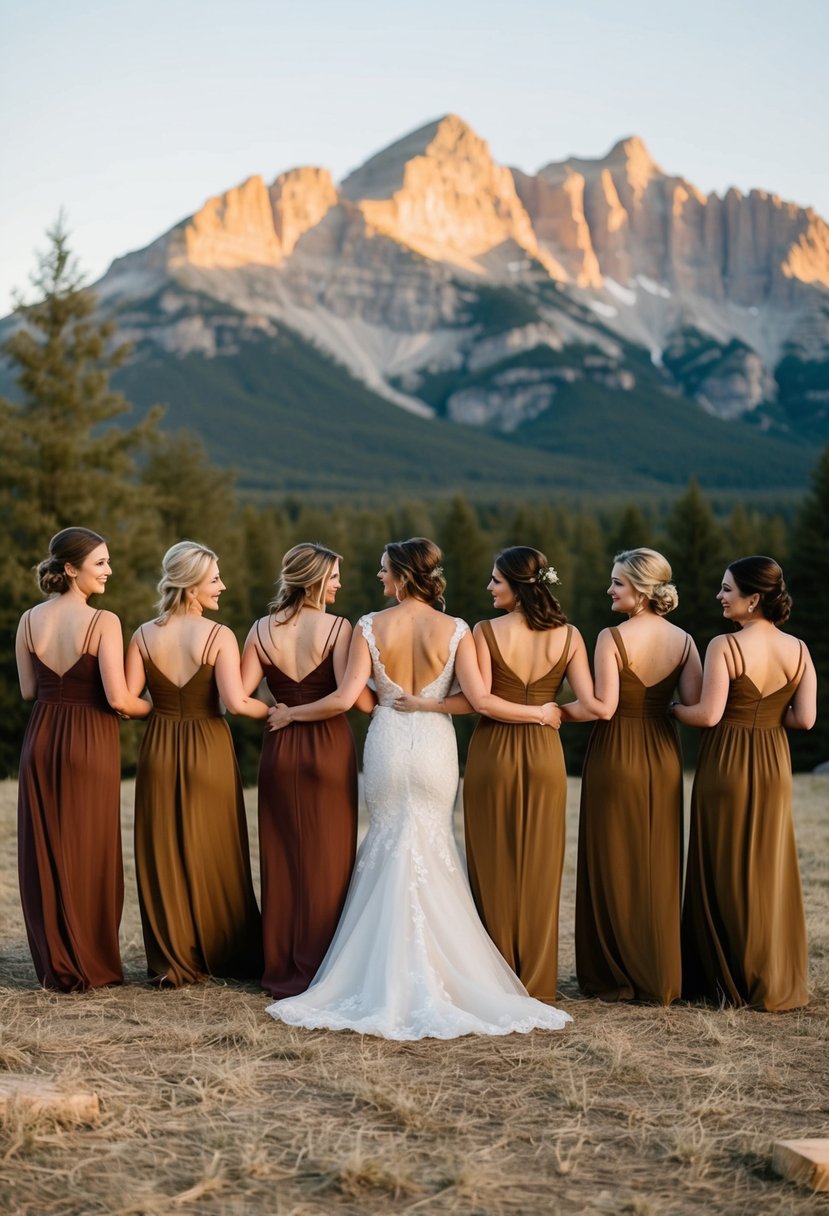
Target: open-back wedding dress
(410,959)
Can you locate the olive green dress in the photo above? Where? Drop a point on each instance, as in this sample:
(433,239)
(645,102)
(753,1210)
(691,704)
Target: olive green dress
(743,928)
(629,877)
(198,908)
(514,800)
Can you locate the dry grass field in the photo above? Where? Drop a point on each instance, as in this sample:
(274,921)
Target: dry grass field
(209,1106)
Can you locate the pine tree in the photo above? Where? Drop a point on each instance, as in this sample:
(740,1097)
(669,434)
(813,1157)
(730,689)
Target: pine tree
(808,579)
(694,547)
(61,461)
(467,561)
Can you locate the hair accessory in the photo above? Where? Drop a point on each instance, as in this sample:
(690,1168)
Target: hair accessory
(548,575)
(438,572)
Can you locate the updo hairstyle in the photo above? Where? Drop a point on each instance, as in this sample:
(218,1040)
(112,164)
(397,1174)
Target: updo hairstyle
(649,573)
(70,546)
(762,576)
(183,566)
(416,566)
(303,578)
(523,568)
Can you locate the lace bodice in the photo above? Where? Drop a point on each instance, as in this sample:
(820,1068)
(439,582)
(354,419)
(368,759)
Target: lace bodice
(386,688)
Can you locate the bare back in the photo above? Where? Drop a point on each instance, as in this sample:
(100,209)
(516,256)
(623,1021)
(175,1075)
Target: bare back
(413,641)
(771,658)
(61,630)
(180,646)
(654,646)
(529,653)
(297,646)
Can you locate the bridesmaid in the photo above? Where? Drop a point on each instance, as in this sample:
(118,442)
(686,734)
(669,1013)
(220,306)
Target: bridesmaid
(307,772)
(70,660)
(743,928)
(515,783)
(629,875)
(198,909)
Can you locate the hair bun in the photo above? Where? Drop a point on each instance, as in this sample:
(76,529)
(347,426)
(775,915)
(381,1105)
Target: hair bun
(664,598)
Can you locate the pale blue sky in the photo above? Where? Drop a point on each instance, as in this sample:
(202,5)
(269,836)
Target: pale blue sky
(130,115)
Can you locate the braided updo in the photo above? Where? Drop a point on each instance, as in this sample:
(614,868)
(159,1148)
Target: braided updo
(69,547)
(416,565)
(762,576)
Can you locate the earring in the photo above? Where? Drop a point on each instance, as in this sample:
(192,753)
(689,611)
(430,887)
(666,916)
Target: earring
(751,607)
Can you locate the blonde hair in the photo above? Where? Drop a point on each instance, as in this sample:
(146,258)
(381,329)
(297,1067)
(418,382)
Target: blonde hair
(303,578)
(649,573)
(183,566)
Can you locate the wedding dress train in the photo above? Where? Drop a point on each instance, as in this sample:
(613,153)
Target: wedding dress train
(410,959)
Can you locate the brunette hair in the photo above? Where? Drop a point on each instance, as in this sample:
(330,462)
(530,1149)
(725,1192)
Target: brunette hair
(183,566)
(526,571)
(70,547)
(416,563)
(649,573)
(305,572)
(762,576)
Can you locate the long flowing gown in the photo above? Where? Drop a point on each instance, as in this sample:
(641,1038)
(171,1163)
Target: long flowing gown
(69,826)
(743,927)
(629,876)
(307,826)
(514,801)
(410,958)
(198,908)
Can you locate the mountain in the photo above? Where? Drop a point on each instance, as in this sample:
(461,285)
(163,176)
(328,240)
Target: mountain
(601,320)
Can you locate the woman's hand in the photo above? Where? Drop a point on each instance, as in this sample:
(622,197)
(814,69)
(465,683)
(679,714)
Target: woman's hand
(407,703)
(551,715)
(279,715)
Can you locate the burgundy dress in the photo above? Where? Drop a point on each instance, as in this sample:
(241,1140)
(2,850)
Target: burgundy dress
(69,826)
(307,826)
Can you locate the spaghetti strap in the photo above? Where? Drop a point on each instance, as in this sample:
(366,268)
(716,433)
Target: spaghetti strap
(736,652)
(333,634)
(88,635)
(261,645)
(208,644)
(687,650)
(146,654)
(492,643)
(620,646)
(567,644)
(801,665)
(27,630)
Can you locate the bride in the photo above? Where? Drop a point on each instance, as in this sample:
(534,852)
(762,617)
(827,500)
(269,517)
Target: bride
(410,958)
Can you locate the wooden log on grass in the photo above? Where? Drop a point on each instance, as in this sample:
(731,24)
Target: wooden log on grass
(803,1161)
(39,1095)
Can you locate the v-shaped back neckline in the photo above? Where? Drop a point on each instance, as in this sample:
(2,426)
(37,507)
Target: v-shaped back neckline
(743,675)
(511,670)
(172,683)
(275,667)
(623,654)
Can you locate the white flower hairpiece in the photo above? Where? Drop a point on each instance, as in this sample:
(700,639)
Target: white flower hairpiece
(548,575)
(438,572)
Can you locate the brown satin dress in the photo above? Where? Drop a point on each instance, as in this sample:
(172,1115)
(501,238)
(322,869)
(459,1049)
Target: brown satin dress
(743,927)
(629,875)
(307,826)
(69,826)
(514,800)
(198,908)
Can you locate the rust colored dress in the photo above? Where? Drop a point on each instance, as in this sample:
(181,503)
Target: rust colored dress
(69,826)
(307,826)
(743,928)
(514,800)
(629,875)
(198,908)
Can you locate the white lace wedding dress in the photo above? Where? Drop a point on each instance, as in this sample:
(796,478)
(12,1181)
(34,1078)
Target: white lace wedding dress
(410,959)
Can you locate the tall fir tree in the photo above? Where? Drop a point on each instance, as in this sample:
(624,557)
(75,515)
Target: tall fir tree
(62,462)
(694,546)
(807,577)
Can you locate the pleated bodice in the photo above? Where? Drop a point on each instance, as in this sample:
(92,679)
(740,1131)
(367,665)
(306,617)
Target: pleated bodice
(318,683)
(638,700)
(746,707)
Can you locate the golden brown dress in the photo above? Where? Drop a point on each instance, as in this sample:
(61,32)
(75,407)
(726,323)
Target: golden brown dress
(743,928)
(514,799)
(198,908)
(307,826)
(69,826)
(629,875)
